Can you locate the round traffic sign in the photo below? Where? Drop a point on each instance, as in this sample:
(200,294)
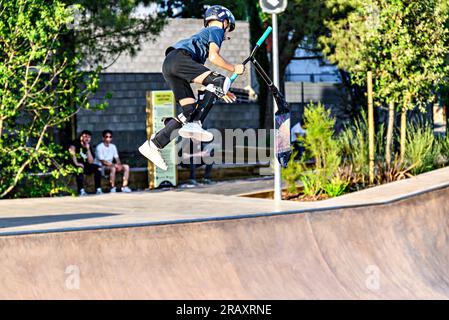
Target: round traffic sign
(273,6)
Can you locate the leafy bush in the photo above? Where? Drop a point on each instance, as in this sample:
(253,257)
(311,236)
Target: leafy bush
(291,174)
(336,186)
(422,148)
(41,87)
(354,143)
(443,157)
(321,146)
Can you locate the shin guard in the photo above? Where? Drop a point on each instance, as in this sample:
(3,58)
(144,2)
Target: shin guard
(188,112)
(168,133)
(206,99)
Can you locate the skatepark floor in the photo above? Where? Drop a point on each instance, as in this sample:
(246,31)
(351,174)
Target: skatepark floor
(221,200)
(210,243)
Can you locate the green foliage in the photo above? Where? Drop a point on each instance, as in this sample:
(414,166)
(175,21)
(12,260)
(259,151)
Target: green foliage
(41,86)
(403,42)
(443,157)
(342,163)
(336,186)
(291,174)
(103,30)
(424,153)
(423,149)
(49,184)
(324,148)
(354,143)
(196,8)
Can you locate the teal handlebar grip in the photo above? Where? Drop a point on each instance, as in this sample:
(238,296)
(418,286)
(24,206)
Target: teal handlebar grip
(264,36)
(234,76)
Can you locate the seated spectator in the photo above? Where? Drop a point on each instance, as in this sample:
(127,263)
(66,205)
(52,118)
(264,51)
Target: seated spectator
(295,132)
(107,156)
(82,156)
(194,153)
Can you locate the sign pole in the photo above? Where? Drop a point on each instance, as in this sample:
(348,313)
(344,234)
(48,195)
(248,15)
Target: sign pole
(277,167)
(274,7)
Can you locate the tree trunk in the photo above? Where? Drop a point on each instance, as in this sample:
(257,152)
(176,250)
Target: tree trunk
(389,135)
(370,127)
(403,133)
(67,132)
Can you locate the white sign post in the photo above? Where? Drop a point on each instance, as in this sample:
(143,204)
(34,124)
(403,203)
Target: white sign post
(274,7)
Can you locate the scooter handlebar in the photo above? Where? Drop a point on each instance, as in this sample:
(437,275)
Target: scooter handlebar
(259,43)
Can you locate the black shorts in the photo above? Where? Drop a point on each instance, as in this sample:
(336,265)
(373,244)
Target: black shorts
(179,69)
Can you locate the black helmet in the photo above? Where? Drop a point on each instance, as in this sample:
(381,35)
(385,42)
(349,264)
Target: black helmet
(221,14)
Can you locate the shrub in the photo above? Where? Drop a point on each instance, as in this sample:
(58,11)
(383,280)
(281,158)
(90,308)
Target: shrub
(422,148)
(291,174)
(355,158)
(320,145)
(443,157)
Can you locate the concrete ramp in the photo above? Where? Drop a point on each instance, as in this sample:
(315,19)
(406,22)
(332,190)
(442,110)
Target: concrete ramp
(390,251)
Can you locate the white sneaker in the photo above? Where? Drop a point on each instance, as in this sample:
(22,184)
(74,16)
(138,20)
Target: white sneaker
(152,153)
(126,189)
(194,130)
(99,191)
(113,190)
(82,193)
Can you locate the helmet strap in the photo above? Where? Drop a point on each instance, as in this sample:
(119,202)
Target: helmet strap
(224,28)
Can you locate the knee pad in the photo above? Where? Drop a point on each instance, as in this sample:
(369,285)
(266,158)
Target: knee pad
(217,84)
(167,134)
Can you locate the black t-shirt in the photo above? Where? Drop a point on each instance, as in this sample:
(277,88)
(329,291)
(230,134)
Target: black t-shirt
(81,152)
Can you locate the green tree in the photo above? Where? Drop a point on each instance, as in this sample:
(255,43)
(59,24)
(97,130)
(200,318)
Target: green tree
(402,42)
(196,8)
(40,85)
(105,29)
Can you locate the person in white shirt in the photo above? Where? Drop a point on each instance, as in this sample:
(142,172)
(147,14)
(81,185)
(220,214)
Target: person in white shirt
(105,154)
(297,131)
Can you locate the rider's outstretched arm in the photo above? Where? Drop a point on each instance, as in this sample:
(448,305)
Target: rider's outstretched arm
(218,60)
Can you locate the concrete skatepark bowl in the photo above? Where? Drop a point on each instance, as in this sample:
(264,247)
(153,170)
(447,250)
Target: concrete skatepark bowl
(394,250)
